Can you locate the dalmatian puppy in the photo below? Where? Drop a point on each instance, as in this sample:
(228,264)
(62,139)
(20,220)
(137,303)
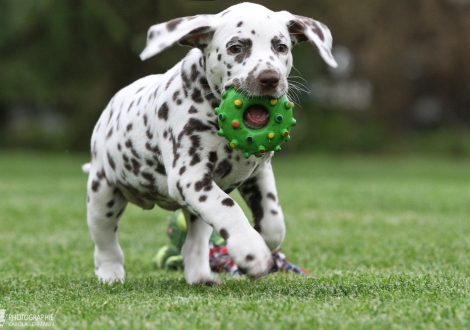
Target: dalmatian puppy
(156,143)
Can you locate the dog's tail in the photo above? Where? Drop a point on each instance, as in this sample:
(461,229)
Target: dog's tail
(86,167)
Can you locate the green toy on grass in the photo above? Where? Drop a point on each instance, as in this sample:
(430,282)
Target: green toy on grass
(169,256)
(254,125)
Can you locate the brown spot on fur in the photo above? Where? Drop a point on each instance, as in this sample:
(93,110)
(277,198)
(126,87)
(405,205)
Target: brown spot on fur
(271,196)
(171,25)
(228,202)
(224,234)
(163,111)
(111,162)
(95,185)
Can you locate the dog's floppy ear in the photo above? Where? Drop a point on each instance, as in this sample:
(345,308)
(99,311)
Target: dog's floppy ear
(306,29)
(194,31)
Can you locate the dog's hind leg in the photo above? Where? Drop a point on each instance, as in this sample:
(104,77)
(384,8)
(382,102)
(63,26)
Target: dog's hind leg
(195,251)
(105,206)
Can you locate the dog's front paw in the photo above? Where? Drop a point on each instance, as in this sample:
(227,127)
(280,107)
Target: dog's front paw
(110,273)
(207,279)
(251,254)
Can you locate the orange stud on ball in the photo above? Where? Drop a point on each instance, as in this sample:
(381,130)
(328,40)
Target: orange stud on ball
(233,144)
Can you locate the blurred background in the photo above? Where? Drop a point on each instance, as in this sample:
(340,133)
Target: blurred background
(402,85)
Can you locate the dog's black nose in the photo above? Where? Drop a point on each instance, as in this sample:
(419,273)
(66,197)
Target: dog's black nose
(268,79)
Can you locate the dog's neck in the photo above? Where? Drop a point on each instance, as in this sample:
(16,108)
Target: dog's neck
(194,78)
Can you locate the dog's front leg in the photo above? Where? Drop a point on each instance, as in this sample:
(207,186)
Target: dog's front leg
(260,194)
(195,251)
(195,190)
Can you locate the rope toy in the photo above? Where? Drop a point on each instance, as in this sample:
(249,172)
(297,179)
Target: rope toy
(254,125)
(169,256)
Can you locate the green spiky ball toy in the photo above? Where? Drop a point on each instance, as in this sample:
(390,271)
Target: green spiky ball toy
(254,125)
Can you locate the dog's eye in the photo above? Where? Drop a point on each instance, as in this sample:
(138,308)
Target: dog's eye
(236,49)
(281,48)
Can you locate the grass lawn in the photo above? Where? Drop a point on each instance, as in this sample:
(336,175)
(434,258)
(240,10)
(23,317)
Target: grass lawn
(386,241)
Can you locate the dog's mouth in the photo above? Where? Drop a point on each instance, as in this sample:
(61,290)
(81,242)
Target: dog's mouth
(256,116)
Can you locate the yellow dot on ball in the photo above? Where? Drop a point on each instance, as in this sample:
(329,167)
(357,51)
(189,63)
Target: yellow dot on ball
(271,135)
(232,145)
(238,103)
(273,102)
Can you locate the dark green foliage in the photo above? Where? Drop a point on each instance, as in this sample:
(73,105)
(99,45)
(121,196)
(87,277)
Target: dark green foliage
(71,57)
(61,61)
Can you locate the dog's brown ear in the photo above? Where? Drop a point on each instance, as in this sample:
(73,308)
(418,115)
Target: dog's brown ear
(306,29)
(194,31)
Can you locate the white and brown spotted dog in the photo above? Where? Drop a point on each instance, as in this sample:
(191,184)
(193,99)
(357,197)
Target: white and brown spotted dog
(157,143)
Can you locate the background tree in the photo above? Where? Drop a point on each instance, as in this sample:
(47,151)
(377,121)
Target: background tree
(61,62)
